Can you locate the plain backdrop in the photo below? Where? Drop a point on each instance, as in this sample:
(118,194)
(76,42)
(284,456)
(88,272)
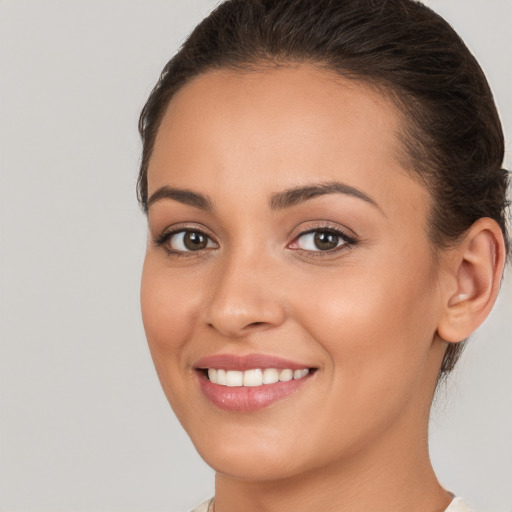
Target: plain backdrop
(84,425)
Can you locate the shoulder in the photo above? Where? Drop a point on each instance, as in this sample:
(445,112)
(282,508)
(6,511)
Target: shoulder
(458,505)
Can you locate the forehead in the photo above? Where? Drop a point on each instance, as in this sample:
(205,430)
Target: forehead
(278,127)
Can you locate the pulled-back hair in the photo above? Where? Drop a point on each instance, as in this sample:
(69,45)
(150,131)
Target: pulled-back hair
(452,138)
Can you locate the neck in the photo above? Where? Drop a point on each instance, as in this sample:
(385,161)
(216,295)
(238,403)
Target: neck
(396,476)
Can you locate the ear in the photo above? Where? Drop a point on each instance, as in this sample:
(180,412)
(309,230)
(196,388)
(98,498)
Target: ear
(471,280)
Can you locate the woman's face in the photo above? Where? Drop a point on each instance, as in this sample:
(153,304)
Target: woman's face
(285,235)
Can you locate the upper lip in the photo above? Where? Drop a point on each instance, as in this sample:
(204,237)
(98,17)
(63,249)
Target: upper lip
(247,362)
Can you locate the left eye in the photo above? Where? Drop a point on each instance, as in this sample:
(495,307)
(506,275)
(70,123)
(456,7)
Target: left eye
(188,240)
(319,240)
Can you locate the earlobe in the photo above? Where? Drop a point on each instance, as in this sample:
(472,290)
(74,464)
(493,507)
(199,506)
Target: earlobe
(474,276)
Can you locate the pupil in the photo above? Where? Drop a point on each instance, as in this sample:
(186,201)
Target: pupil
(325,240)
(194,241)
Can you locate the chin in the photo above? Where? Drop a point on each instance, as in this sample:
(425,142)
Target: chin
(258,452)
(253,463)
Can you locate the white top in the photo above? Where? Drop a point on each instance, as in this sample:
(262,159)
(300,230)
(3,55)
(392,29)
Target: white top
(203,507)
(457,505)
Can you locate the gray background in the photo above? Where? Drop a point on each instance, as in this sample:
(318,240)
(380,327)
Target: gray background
(84,425)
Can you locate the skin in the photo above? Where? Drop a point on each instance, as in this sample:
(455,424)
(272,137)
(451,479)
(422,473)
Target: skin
(367,315)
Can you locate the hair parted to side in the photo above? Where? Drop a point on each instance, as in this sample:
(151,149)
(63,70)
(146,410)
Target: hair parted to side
(452,136)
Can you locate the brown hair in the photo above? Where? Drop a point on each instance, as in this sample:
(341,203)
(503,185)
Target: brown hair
(452,137)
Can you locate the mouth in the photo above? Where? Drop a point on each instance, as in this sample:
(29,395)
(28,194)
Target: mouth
(249,383)
(254,377)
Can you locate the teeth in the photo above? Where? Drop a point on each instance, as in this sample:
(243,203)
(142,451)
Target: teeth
(221,377)
(285,375)
(234,378)
(298,374)
(270,376)
(254,377)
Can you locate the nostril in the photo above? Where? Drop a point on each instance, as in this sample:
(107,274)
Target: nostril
(255,324)
(237,318)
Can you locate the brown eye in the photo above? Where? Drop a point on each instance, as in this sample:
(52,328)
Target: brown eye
(325,240)
(321,240)
(194,241)
(187,241)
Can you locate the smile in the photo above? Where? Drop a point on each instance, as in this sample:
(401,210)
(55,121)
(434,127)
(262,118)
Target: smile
(254,377)
(247,383)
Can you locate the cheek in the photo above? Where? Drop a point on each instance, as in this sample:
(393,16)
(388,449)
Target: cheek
(377,335)
(167,314)
(376,324)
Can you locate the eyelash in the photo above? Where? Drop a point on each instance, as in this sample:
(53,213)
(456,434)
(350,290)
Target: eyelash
(164,238)
(347,241)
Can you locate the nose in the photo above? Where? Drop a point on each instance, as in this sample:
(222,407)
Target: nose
(245,298)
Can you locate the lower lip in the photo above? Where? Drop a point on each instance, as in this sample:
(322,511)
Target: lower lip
(247,398)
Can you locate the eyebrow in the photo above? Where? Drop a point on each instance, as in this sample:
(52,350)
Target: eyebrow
(278,201)
(182,196)
(294,196)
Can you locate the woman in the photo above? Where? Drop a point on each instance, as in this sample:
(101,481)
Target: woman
(326,209)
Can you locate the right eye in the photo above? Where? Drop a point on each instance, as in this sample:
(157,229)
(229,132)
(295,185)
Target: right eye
(186,240)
